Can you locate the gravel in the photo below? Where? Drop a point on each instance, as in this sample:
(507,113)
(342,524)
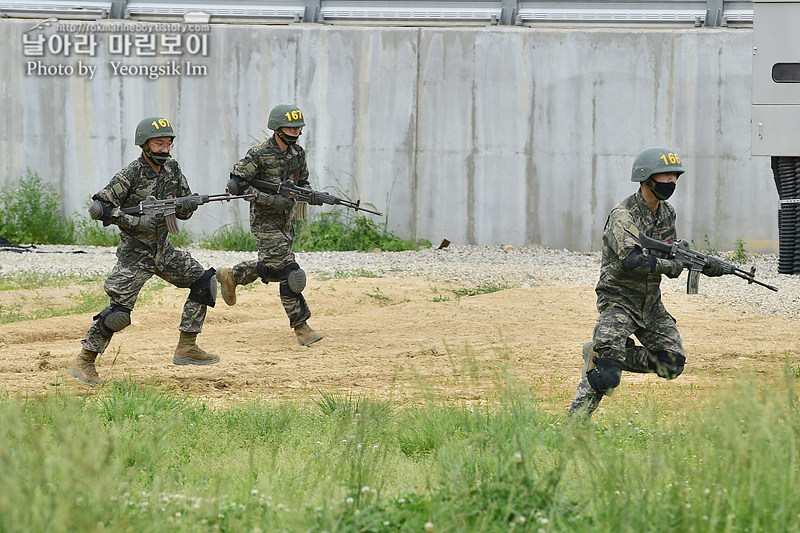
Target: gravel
(473,266)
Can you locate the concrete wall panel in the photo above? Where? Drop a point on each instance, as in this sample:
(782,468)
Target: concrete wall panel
(487,135)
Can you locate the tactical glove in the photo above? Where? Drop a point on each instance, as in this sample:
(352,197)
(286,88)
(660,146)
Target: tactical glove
(187,204)
(146,223)
(315,198)
(714,267)
(279,203)
(668,267)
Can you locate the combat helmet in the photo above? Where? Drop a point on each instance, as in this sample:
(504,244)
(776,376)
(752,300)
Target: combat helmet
(285,116)
(152,127)
(654,161)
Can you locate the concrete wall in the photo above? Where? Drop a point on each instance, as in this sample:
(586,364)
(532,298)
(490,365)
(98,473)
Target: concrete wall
(479,135)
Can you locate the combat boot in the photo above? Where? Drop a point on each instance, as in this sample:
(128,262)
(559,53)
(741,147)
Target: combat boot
(306,335)
(227,285)
(189,353)
(82,368)
(589,355)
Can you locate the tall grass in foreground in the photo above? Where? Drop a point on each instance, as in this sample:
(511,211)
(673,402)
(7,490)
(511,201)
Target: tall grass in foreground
(139,458)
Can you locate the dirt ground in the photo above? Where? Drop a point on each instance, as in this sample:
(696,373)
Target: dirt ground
(408,339)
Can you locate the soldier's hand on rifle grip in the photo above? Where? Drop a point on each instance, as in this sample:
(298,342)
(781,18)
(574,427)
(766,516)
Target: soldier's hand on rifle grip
(714,267)
(187,204)
(668,267)
(315,198)
(146,223)
(279,203)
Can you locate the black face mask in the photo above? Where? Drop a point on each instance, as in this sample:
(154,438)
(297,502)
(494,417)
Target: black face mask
(662,191)
(288,139)
(158,159)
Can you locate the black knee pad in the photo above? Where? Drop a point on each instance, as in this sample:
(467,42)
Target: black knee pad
(293,276)
(296,279)
(668,365)
(112,319)
(605,375)
(204,290)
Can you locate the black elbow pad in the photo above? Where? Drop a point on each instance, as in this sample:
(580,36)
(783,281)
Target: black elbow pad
(100,210)
(639,263)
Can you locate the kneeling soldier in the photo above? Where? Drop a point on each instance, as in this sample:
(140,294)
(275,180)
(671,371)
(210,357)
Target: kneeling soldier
(629,293)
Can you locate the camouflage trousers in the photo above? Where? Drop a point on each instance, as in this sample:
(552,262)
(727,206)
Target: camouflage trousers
(129,276)
(612,340)
(275,253)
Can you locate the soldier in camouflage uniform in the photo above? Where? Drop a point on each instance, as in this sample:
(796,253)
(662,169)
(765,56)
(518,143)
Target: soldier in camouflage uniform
(629,293)
(144,250)
(272,219)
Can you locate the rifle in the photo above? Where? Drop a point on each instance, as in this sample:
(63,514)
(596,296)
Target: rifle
(166,208)
(289,189)
(695,261)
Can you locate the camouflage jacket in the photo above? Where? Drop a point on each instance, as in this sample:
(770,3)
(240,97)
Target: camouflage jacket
(639,295)
(267,162)
(130,186)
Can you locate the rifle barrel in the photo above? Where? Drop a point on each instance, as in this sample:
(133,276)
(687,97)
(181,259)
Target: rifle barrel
(751,279)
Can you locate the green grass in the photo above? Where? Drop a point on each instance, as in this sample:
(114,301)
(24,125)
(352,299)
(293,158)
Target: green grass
(33,279)
(91,297)
(135,457)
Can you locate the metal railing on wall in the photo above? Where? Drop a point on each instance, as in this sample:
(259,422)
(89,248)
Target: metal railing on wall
(670,13)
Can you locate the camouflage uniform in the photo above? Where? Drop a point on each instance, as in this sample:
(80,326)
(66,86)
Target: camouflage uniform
(274,230)
(630,303)
(142,254)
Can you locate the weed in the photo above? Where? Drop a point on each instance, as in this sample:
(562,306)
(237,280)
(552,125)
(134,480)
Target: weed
(230,237)
(709,249)
(127,399)
(182,239)
(740,254)
(342,274)
(93,233)
(334,231)
(31,213)
(379,297)
(482,289)
(348,404)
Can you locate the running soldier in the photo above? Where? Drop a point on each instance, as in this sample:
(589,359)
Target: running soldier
(272,219)
(144,250)
(629,293)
